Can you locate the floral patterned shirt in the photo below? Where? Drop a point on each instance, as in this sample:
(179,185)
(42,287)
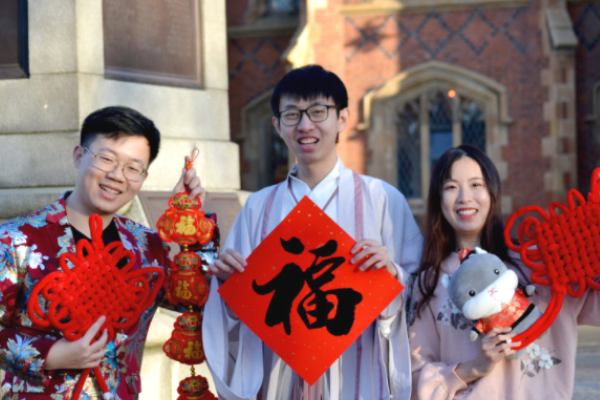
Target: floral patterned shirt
(30,247)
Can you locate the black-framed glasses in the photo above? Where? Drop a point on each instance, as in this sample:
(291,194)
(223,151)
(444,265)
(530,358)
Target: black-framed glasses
(316,113)
(132,172)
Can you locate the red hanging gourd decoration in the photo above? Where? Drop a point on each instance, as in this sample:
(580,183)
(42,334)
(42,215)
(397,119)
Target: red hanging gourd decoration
(185,344)
(563,250)
(184,223)
(194,388)
(76,297)
(184,285)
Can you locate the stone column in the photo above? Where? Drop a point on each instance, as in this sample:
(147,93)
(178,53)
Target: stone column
(560,146)
(40,116)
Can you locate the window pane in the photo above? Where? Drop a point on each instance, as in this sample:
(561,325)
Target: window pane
(473,124)
(279,6)
(409,151)
(279,158)
(440,127)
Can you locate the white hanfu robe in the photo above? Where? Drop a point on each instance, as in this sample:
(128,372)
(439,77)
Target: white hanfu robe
(377,364)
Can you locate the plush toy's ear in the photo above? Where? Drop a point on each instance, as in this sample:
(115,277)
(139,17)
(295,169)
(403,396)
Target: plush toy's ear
(479,250)
(446,280)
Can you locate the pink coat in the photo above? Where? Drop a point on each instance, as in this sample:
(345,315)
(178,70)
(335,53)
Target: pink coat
(439,340)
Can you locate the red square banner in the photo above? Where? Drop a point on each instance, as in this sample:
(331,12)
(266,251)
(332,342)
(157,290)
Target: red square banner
(302,297)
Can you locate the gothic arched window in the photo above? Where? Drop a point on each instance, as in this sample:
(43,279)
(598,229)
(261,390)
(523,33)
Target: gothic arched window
(427,126)
(413,117)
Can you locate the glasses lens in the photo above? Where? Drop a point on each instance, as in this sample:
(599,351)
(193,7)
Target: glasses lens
(105,163)
(317,113)
(290,117)
(134,172)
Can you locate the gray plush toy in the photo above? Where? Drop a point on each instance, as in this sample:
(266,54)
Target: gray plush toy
(485,290)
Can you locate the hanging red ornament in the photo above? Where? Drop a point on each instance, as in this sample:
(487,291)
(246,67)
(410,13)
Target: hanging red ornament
(185,344)
(194,388)
(76,297)
(186,285)
(184,223)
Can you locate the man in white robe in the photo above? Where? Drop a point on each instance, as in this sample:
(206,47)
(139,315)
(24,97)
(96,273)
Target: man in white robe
(310,108)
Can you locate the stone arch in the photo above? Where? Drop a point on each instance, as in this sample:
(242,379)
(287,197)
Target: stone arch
(380,113)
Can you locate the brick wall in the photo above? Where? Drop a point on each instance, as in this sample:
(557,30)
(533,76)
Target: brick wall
(504,44)
(254,64)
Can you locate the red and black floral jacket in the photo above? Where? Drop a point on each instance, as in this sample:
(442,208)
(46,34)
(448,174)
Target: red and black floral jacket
(30,246)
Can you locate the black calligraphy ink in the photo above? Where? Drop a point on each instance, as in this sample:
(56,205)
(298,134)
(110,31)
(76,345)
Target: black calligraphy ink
(332,309)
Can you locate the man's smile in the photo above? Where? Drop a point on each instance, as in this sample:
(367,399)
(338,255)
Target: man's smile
(110,190)
(309,140)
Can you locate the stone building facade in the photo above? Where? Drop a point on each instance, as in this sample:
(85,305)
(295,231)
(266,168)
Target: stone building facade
(60,60)
(517,78)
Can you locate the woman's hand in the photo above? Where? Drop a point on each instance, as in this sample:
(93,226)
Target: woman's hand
(79,354)
(495,346)
(228,262)
(374,254)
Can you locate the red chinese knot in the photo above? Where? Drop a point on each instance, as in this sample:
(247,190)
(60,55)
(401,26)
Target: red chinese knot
(76,297)
(563,250)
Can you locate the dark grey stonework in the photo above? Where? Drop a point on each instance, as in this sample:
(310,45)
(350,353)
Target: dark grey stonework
(14,61)
(155,42)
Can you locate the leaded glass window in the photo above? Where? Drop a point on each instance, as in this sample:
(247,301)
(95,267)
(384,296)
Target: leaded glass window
(283,6)
(409,150)
(440,127)
(451,120)
(473,124)
(278,158)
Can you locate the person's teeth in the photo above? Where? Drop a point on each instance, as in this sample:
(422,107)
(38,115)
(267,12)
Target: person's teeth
(109,190)
(308,141)
(467,212)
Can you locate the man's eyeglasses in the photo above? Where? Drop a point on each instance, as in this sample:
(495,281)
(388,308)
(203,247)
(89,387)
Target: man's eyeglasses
(132,172)
(316,113)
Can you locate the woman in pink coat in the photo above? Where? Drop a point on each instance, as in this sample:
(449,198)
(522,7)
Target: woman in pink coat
(464,211)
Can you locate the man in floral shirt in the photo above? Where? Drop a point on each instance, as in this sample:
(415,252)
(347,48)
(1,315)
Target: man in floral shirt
(116,147)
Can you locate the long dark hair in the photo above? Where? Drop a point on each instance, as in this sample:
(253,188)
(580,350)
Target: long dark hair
(440,238)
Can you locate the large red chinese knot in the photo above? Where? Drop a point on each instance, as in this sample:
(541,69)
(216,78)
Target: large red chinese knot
(76,297)
(184,223)
(185,344)
(186,285)
(563,250)
(194,388)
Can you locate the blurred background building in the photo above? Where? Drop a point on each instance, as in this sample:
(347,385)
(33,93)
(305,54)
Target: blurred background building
(520,79)
(517,78)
